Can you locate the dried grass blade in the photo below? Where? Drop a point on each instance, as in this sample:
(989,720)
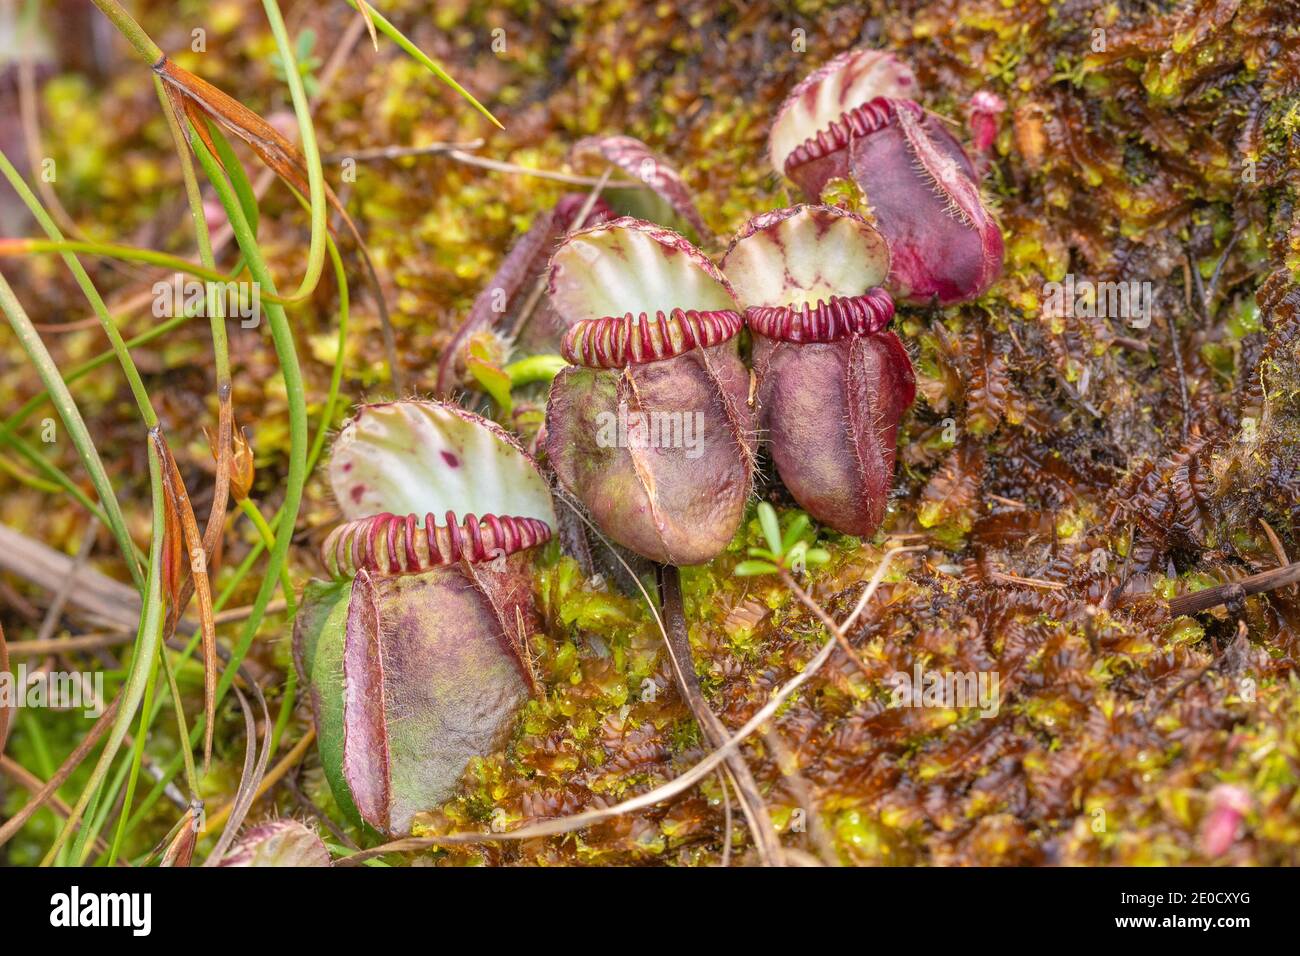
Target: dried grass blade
(252,776)
(223,452)
(178,500)
(368,16)
(180,846)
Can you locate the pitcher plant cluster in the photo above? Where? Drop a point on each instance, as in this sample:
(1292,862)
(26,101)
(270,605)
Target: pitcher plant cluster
(679,372)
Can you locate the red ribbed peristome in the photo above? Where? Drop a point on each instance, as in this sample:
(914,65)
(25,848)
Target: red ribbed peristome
(859,121)
(863,314)
(388,544)
(618,341)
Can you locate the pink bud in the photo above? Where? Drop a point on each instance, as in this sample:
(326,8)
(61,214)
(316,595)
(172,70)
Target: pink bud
(1229,805)
(986,109)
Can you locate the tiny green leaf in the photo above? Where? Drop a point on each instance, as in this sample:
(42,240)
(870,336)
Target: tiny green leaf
(771,527)
(795,531)
(494,381)
(534,368)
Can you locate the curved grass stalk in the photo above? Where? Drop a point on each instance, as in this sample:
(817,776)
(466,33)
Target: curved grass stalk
(225,426)
(153,55)
(203,107)
(282,338)
(318,445)
(281,334)
(314,454)
(310,150)
(234,168)
(93,792)
(74,423)
(336,373)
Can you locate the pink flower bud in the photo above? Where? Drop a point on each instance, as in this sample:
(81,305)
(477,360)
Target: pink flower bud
(986,109)
(1229,805)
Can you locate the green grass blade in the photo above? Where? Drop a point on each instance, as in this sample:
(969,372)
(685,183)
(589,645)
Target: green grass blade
(245,567)
(419,56)
(147,641)
(238,177)
(282,339)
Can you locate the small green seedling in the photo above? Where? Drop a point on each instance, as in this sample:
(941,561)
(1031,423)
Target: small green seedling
(307,64)
(790,552)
